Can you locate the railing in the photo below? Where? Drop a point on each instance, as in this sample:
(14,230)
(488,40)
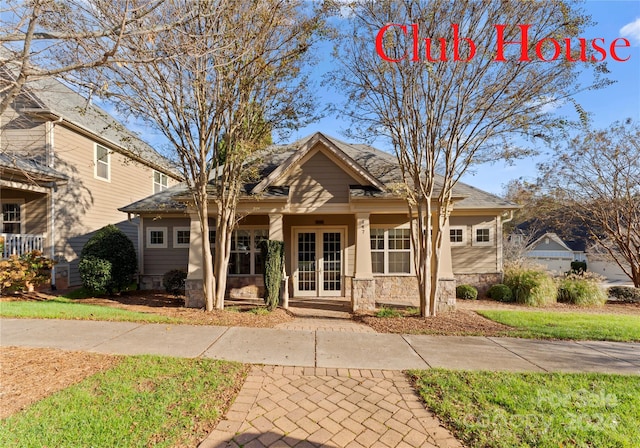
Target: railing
(19,244)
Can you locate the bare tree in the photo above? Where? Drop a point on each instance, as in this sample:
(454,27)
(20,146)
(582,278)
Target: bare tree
(44,38)
(456,107)
(596,177)
(224,81)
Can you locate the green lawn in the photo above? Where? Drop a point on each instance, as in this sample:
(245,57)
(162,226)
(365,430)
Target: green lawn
(143,401)
(580,326)
(489,409)
(62,308)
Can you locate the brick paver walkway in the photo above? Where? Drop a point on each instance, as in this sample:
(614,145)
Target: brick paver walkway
(312,407)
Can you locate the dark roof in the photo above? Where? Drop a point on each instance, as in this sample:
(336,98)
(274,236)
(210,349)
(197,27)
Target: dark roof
(381,165)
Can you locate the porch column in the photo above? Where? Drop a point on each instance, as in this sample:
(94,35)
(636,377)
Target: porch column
(276,233)
(363,283)
(195,275)
(446,300)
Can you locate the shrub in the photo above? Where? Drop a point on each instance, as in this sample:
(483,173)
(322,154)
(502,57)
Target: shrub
(625,293)
(112,245)
(388,312)
(580,291)
(95,273)
(578,267)
(530,287)
(466,292)
(174,281)
(273,256)
(500,292)
(24,272)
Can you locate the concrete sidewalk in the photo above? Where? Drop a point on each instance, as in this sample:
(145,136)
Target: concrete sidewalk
(323,348)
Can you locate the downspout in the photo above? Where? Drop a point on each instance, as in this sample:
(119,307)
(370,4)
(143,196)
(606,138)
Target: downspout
(50,158)
(502,223)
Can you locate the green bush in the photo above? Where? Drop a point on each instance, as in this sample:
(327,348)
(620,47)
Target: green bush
(578,267)
(112,245)
(580,291)
(273,255)
(625,293)
(466,292)
(500,292)
(95,273)
(531,287)
(174,281)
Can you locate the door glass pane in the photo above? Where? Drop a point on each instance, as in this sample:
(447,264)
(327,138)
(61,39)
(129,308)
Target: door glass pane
(332,261)
(307,261)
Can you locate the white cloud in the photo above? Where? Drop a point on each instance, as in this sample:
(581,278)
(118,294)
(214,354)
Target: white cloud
(632,31)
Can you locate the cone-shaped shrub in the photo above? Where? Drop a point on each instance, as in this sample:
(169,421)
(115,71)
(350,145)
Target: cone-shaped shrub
(273,255)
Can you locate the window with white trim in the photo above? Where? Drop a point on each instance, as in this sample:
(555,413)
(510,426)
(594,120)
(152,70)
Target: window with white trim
(156,237)
(160,181)
(11,218)
(483,235)
(391,251)
(102,163)
(246,256)
(458,235)
(181,237)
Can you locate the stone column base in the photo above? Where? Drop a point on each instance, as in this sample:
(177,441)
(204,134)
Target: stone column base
(447,297)
(363,294)
(194,295)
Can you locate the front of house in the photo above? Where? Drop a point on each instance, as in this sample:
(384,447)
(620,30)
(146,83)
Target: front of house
(345,233)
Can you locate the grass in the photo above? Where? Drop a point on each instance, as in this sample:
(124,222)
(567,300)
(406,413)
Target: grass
(388,312)
(489,409)
(144,401)
(577,326)
(64,308)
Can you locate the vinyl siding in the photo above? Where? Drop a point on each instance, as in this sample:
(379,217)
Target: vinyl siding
(318,181)
(86,204)
(552,245)
(475,259)
(157,261)
(22,135)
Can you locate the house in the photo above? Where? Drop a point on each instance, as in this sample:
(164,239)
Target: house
(66,166)
(345,232)
(556,255)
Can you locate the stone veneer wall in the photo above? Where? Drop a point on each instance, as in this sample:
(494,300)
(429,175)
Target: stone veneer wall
(403,289)
(245,287)
(481,281)
(363,294)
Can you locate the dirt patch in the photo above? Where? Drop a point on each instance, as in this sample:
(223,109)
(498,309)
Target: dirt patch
(31,374)
(460,322)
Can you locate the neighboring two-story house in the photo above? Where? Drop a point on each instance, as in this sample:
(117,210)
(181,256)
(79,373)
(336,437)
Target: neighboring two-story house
(345,232)
(66,166)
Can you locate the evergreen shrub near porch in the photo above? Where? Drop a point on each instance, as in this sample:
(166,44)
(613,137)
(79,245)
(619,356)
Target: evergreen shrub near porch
(273,256)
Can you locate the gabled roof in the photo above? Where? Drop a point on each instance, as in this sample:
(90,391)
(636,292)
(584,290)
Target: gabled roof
(553,237)
(304,147)
(52,99)
(379,170)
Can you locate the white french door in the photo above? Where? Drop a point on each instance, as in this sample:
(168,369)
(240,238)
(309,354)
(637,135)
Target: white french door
(318,261)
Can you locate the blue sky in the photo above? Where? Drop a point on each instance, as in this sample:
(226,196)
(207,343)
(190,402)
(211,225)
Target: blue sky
(615,102)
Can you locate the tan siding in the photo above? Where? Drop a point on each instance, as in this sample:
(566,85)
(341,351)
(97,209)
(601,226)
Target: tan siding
(158,261)
(19,134)
(86,203)
(318,181)
(474,259)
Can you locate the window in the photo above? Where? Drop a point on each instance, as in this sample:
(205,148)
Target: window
(11,218)
(458,235)
(391,251)
(482,235)
(102,163)
(181,236)
(160,181)
(156,237)
(246,256)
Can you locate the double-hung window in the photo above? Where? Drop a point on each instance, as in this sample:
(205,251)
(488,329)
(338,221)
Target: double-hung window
(102,163)
(11,218)
(246,256)
(391,251)
(160,181)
